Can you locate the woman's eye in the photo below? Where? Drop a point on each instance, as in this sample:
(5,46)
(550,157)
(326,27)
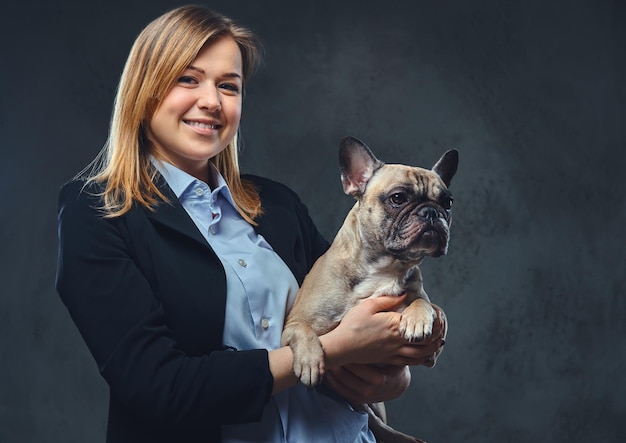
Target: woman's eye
(399,198)
(230,87)
(187,80)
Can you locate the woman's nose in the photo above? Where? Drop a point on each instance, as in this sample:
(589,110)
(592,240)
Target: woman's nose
(209,99)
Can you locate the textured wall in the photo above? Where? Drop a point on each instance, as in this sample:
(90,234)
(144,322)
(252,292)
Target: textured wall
(530,92)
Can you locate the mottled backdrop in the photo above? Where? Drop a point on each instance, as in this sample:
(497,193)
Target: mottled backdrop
(531,92)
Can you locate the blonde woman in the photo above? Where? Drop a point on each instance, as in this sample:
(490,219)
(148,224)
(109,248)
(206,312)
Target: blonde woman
(178,271)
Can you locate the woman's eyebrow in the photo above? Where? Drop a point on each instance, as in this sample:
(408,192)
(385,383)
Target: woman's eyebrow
(195,68)
(201,71)
(232,75)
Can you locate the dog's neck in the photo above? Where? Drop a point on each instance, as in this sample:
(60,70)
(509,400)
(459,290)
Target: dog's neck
(370,274)
(385,276)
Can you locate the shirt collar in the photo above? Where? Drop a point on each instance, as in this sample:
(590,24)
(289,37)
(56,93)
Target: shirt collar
(179,181)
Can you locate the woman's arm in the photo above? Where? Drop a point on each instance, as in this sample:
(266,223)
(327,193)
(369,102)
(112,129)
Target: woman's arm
(368,335)
(369,383)
(364,383)
(127,330)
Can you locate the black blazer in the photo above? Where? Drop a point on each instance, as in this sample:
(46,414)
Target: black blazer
(148,296)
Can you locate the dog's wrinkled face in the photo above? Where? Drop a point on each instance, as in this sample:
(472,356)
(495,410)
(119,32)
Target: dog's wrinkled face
(411,208)
(403,211)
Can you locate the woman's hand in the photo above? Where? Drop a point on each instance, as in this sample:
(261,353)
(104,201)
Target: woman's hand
(438,336)
(368,334)
(371,332)
(368,383)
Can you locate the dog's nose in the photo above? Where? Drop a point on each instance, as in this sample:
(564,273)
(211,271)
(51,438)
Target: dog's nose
(428,212)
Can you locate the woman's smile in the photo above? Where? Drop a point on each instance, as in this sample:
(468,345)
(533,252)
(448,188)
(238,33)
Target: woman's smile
(202,127)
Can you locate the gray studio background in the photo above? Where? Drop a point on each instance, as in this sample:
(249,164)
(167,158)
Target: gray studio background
(530,92)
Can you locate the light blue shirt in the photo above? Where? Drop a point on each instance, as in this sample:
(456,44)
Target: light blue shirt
(260,290)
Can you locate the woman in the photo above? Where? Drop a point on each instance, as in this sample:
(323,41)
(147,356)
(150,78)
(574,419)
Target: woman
(178,271)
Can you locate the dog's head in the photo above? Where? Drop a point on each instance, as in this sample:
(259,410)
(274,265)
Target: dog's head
(403,211)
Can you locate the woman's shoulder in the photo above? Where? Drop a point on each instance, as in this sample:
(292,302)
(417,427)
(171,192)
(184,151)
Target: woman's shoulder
(82,199)
(271,190)
(80,189)
(264,183)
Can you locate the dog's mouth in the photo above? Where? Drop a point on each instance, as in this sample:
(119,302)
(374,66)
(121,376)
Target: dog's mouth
(430,232)
(419,240)
(424,230)
(430,236)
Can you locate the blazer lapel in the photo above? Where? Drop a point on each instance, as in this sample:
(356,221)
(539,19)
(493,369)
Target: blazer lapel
(172,215)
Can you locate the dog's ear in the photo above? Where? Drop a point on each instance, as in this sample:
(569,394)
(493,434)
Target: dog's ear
(447,165)
(357,165)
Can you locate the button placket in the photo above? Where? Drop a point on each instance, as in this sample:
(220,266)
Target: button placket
(215,214)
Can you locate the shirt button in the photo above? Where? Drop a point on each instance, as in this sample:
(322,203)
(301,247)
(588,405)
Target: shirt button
(199,191)
(242,263)
(265,323)
(212,230)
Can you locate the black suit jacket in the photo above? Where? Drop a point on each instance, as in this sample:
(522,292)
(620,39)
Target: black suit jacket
(148,296)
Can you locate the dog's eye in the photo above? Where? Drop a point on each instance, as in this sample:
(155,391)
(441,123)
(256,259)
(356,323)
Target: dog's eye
(447,202)
(399,198)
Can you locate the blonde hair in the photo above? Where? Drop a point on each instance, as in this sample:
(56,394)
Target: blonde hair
(161,52)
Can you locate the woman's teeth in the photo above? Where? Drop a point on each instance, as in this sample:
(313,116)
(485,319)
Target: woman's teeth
(201,125)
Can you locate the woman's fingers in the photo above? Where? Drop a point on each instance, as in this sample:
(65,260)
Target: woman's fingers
(368,383)
(369,333)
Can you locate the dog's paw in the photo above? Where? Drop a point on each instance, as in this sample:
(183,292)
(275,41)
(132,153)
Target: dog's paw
(415,331)
(308,354)
(308,365)
(417,324)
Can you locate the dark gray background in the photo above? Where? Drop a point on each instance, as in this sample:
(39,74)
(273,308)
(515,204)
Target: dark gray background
(530,92)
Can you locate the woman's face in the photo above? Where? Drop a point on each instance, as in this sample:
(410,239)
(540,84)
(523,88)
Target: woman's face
(200,115)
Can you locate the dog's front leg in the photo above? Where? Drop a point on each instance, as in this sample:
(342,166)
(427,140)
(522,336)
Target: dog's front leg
(417,321)
(419,316)
(308,354)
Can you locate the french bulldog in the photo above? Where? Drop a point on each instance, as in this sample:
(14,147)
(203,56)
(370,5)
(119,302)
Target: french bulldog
(402,214)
